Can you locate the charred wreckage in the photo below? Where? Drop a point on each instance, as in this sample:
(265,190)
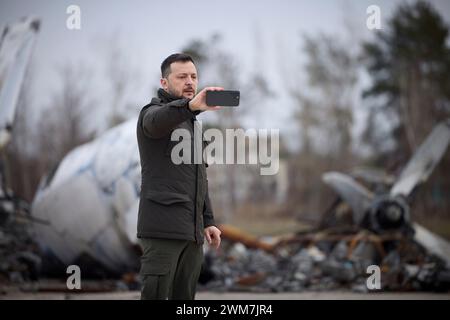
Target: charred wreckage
(362,229)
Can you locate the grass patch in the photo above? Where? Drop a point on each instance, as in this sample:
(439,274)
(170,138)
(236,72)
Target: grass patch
(437,225)
(268,226)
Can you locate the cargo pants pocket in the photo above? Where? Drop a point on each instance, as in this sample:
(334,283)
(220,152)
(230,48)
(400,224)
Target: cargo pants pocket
(155,280)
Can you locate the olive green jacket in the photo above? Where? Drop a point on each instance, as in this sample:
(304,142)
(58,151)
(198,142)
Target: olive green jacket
(174,201)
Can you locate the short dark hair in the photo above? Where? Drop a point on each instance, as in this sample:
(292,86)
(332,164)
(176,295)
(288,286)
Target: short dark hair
(165,65)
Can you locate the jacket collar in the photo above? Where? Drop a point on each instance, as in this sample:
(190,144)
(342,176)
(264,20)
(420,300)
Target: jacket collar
(166,97)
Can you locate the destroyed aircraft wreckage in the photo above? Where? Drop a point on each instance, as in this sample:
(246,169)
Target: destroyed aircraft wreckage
(19,256)
(335,254)
(381,232)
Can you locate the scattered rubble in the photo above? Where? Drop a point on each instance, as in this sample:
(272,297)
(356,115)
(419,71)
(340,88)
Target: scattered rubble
(323,260)
(363,228)
(20,258)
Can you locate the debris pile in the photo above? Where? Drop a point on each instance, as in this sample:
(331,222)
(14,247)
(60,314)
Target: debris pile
(20,260)
(319,260)
(367,230)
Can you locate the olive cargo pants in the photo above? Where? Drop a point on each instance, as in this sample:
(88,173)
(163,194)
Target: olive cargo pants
(170,268)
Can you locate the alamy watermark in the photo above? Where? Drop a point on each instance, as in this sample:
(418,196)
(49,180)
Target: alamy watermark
(373,282)
(73,21)
(230,148)
(374,19)
(74,280)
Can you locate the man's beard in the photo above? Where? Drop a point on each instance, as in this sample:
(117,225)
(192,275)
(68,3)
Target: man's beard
(173,93)
(180,94)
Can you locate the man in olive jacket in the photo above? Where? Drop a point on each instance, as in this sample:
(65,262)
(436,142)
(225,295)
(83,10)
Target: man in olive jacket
(174,210)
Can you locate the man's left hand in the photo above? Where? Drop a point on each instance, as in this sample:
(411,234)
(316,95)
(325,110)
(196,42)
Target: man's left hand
(212,235)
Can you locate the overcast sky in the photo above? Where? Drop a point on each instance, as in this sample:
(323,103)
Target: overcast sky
(151,30)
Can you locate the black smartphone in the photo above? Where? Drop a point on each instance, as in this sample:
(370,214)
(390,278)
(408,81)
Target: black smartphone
(226,98)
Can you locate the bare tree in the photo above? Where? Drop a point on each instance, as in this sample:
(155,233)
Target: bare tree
(409,65)
(332,74)
(324,113)
(38,146)
(120,77)
(64,124)
(218,67)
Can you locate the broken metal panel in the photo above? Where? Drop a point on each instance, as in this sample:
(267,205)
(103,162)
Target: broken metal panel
(15,51)
(356,195)
(433,243)
(373,175)
(389,210)
(19,259)
(72,227)
(424,160)
(91,202)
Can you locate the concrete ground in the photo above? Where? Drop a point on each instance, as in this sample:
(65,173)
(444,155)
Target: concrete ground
(134,295)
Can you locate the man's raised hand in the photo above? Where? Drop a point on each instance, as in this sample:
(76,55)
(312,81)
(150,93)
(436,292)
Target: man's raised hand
(199,101)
